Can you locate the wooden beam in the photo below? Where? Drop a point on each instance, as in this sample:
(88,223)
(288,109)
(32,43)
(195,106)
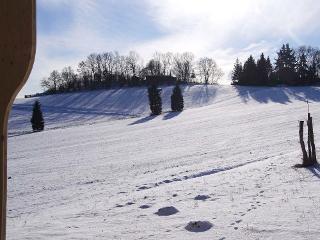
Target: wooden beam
(17,52)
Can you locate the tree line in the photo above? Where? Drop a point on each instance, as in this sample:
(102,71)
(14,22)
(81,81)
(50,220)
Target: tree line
(110,69)
(291,67)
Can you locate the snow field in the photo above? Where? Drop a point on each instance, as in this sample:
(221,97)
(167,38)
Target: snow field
(221,169)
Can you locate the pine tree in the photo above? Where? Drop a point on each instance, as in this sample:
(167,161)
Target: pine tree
(249,75)
(302,70)
(285,65)
(262,71)
(177,103)
(37,118)
(269,67)
(155,100)
(312,76)
(236,73)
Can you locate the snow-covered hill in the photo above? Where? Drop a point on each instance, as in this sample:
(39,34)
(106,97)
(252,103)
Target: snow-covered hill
(105,169)
(73,109)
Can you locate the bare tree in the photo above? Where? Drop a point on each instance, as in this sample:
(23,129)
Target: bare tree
(55,78)
(91,63)
(162,63)
(84,74)
(68,78)
(99,64)
(154,67)
(134,63)
(208,70)
(108,62)
(167,61)
(46,84)
(183,66)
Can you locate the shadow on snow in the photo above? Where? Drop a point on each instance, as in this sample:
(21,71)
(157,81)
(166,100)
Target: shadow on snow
(282,95)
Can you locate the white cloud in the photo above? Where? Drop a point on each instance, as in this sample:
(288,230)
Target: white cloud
(223,30)
(229,29)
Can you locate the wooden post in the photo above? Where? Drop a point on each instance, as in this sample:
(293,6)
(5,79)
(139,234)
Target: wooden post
(17,52)
(313,156)
(309,138)
(303,147)
(309,158)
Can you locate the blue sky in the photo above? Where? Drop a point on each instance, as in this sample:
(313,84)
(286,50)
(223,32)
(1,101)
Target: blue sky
(69,30)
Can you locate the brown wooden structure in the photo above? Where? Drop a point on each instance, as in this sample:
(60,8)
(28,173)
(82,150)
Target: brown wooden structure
(17,52)
(308,158)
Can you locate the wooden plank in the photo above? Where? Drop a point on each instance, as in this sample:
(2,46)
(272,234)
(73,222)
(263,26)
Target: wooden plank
(17,52)
(303,147)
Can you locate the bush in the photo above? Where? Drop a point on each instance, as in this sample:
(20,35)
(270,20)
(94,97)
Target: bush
(37,118)
(177,103)
(155,100)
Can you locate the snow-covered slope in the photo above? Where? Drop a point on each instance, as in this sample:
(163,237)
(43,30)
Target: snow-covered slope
(72,109)
(226,161)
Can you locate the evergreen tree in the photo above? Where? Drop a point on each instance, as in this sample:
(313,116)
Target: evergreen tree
(312,76)
(302,70)
(262,71)
(37,118)
(285,65)
(236,73)
(249,75)
(269,67)
(271,74)
(155,100)
(177,99)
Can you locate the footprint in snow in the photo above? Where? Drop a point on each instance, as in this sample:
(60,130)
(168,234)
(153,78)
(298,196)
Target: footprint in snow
(143,188)
(201,197)
(166,211)
(145,206)
(198,226)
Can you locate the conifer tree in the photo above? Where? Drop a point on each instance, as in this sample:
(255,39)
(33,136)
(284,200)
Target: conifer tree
(249,76)
(262,71)
(285,65)
(37,121)
(177,103)
(236,73)
(302,70)
(312,76)
(269,67)
(155,100)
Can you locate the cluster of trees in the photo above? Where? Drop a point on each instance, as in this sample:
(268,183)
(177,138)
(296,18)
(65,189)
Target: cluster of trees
(291,67)
(111,69)
(155,101)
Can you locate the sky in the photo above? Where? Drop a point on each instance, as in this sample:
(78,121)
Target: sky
(69,30)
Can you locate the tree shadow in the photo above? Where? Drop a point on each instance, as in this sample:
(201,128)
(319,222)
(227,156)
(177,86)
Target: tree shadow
(315,170)
(282,95)
(203,95)
(143,120)
(171,115)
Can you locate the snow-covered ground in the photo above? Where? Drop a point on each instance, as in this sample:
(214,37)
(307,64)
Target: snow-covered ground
(104,169)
